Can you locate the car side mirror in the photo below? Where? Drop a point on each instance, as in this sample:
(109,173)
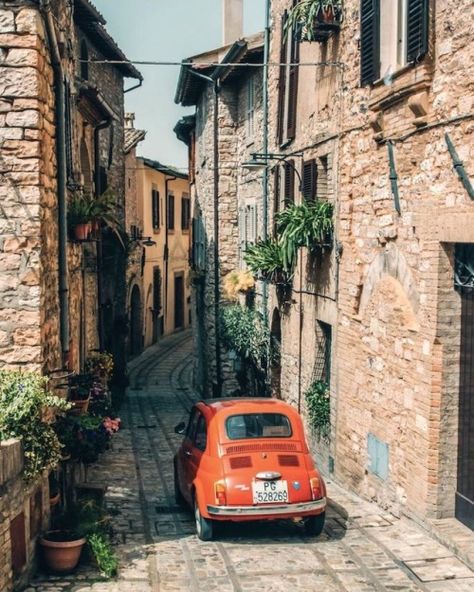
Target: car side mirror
(180,428)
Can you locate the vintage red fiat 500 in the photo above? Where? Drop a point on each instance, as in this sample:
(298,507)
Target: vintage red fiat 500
(247,459)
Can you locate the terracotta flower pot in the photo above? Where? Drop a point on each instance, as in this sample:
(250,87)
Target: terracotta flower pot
(61,556)
(80,406)
(82,231)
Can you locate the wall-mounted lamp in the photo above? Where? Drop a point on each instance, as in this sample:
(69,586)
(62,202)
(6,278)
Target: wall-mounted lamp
(260,161)
(148,242)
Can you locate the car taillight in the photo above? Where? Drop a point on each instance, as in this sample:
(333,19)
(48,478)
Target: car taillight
(219,490)
(315,484)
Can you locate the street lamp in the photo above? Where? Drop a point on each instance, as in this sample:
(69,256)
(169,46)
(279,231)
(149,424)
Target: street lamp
(260,161)
(148,242)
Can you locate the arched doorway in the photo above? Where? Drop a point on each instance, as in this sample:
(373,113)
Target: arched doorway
(275,367)
(136,337)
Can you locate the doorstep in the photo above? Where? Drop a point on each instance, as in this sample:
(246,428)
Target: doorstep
(455,536)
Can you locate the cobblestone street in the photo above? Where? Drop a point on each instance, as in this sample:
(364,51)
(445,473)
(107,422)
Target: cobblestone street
(361,550)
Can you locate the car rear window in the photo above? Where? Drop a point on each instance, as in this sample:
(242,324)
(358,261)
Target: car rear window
(258,425)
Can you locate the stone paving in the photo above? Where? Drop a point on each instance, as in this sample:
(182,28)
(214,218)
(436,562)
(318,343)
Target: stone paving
(362,548)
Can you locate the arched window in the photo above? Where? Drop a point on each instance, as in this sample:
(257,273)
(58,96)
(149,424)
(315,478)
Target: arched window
(84,60)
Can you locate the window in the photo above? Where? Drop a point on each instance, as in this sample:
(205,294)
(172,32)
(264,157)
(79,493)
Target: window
(250,111)
(200,438)
(84,63)
(378,453)
(393,34)
(258,425)
(276,197)
(68,130)
(247,229)
(322,180)
(199,243)
(310,176)
(156,290)
(170,212)
(193,420)
(185,213)
(155,208)
(288,84)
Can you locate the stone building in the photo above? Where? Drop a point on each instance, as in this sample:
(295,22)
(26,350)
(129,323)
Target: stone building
(227,208)
(379,121)
(61,133)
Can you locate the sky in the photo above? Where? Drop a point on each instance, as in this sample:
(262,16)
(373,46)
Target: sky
(164,30)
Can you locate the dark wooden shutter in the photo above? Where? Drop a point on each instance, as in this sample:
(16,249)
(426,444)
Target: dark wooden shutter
(185,213)
(171,212)
(310,176)
(282,80)
(369,41)
(155,208)
(156,290)
(293,88)
(417,29)
(276,196)
(68,130)
(289,188)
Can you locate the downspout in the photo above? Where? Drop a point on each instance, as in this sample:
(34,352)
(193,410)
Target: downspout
(266,54)
(167,251)
(61,180)
(98,191)
(218,392)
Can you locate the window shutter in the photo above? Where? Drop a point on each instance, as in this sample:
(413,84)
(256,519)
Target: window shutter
(289,182)
(282,80)
(68,130)
(310,175)
(369,41)
(171,212)
(276,196)
(242,241)
(293,88)
(155,208)
(417,29)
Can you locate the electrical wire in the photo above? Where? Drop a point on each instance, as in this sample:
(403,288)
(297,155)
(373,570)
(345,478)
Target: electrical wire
(202,65)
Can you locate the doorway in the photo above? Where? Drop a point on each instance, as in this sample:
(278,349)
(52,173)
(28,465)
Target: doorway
(464,281)
(179,301)
(135,322)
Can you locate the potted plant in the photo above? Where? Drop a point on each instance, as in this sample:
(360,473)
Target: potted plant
(236,282)
(80,216)
(315,20)
(265,259)
(79,392)
(61,550)
(104,211)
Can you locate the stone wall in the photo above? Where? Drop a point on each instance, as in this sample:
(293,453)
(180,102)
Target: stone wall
(24,513)
(28,228)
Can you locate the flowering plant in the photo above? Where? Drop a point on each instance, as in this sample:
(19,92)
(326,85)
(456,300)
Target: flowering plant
(111,425)
(100,363)
(238,281)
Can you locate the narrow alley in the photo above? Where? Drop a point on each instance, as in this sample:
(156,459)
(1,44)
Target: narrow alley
(362,549)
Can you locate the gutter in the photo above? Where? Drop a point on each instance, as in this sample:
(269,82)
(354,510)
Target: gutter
(60,113)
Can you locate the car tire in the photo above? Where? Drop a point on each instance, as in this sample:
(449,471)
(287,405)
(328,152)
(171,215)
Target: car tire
(178,496)
(314,524)
(204,526)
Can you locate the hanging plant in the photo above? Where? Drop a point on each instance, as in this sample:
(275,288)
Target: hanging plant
(304,225)
(319,408)
(244,331)
(265,258)
(237,282)
(314,20)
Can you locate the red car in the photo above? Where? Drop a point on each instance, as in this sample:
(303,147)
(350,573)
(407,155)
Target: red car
(247,459)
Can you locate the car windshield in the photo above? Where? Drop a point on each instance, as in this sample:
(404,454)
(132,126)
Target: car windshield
(258,425)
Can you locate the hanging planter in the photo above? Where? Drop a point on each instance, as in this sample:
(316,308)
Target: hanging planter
(82,231)
(315,20)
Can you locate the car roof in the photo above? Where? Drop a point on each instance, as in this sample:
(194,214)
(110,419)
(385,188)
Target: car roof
(250,404)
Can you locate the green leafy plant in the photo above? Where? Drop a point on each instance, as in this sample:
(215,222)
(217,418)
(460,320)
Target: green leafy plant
(266,258)
(319,409)
(244,331)
(80,209)
(25,413)
(104,555)
(303,17)
(104,210)
(303,225)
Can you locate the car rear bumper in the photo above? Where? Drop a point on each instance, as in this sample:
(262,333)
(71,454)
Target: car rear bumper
(298,509)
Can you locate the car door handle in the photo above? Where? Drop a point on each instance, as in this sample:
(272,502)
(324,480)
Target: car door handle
(188,453)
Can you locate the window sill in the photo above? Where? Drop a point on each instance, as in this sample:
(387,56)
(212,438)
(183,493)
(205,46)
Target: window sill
(156,230)
(185,230)
(407,81)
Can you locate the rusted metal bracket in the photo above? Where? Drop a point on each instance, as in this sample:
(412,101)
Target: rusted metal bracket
(459,167)
(393,177)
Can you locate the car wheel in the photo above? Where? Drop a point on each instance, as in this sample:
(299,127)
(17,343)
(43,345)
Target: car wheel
(314,524)
(178,496)
(204,527)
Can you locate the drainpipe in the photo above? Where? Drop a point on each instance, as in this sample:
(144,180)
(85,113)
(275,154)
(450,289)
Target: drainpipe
(216,89)
(61,179)
(98,191)
(167,251)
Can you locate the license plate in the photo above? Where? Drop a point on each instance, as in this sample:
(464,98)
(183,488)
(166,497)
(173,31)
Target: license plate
(269,492)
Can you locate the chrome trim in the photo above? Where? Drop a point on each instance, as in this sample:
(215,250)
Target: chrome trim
(268,510)
(268,476)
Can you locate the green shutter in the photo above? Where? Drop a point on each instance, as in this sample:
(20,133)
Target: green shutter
(417,29)
(369,41)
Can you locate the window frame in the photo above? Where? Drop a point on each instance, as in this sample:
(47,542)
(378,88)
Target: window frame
(155,208)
